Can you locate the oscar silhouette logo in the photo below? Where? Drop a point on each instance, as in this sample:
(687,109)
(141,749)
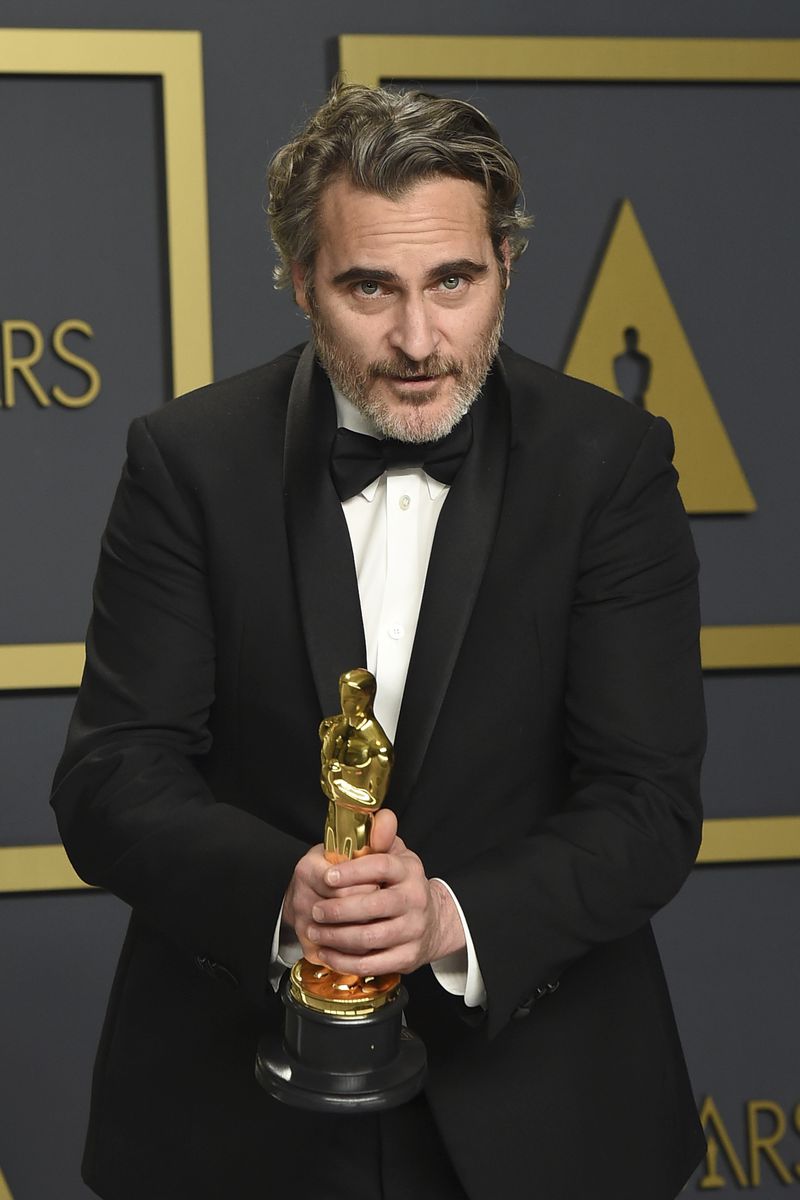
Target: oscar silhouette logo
(344,1045)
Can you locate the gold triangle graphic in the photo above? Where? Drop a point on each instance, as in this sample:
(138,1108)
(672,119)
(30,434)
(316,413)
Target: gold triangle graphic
(629,294)
(5,1190)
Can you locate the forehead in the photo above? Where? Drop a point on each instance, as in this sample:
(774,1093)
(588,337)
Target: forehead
(439,214)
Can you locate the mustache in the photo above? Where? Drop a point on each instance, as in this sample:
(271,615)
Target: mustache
(433,367)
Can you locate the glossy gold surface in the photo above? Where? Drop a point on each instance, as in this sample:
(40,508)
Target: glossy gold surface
(372,58)
(338,995)
(355,764)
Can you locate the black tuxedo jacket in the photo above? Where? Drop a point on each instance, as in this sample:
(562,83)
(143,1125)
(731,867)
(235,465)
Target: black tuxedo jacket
(547,767)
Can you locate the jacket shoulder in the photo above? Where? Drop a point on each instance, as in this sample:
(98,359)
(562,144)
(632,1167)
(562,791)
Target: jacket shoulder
(587,436)
(545,395)
(252,402)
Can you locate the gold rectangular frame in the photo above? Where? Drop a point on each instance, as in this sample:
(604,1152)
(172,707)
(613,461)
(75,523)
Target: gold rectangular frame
(371,59)
(174,56)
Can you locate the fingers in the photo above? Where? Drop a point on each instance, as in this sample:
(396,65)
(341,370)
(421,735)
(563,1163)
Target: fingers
(384,831)
(373,948)
(315,880)
(309,873)
(372,915)
(358,905)
(381,931)
(400,959)
(363,939)
(382,869)
(306,887)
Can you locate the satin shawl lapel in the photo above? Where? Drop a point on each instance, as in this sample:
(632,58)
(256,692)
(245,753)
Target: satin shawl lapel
(464,536)
(319,541)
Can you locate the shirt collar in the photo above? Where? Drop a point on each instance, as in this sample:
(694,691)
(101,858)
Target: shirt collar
(350,417)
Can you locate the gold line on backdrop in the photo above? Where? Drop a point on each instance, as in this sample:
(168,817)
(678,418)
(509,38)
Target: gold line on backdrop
(37,869)
(51,667)
(367,58)
(725,840)
(175,57)
(41,666)
(372,59)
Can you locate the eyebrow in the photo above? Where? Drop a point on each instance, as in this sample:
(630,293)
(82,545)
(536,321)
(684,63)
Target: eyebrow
(457,266)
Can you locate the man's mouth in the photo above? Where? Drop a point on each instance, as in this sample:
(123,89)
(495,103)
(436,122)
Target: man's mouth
(415,379)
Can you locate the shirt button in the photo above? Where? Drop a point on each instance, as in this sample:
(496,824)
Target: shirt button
(405,502)
(396,631)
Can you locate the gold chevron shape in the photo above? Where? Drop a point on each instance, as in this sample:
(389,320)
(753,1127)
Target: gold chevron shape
(629,293)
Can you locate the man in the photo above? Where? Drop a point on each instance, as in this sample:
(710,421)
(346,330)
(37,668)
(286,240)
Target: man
(515,566)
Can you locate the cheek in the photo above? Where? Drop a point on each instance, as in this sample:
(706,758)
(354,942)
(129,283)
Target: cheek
(362,338)
(465,329)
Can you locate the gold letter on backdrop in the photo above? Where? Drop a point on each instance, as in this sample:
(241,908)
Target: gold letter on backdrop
(22,365)
(758,1143)
(68,356)
(711,1119)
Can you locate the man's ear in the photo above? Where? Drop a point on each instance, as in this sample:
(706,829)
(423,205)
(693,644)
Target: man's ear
(299,273)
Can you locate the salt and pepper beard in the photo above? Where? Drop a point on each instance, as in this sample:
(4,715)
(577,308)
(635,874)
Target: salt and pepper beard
(411,422)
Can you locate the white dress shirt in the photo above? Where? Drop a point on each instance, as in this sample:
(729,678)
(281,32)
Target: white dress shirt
(392,523)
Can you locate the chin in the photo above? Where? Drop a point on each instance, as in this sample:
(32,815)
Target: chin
(423,418)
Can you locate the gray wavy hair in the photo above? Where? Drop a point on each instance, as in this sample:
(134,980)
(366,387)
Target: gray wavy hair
(385,142)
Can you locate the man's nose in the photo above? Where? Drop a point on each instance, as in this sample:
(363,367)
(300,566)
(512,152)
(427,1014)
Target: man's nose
(414,331)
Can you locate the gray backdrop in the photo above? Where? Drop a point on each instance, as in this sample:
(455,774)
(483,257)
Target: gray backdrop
(713,174)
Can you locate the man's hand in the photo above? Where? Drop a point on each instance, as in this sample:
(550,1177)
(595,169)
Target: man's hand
(373,915)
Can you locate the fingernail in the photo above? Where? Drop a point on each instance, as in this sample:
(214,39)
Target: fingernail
(312,933)
(332,876)
(318,912)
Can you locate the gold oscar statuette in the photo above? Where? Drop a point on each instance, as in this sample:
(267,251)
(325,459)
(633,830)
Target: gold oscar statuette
(356,762)
(344,1046)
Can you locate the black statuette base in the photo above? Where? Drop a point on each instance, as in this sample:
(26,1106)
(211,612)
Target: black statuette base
(340,1064)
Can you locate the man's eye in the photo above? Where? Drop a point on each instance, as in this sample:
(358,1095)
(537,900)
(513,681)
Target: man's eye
(368,287)
(451,283)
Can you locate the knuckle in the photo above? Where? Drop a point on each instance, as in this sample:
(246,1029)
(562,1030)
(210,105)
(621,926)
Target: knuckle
(407,963)
(384,865)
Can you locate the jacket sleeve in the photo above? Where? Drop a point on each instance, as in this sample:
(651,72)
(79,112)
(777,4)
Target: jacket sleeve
(135,814)
(624,840)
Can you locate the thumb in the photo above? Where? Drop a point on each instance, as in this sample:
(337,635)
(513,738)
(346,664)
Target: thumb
(384,830)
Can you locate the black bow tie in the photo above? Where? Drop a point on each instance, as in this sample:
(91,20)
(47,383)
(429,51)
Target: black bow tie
(357,460)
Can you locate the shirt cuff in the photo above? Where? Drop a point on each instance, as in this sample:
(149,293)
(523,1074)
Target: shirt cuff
(459,973)
(284,951)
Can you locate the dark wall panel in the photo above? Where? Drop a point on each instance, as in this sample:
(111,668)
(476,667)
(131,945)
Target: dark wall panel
(712,172)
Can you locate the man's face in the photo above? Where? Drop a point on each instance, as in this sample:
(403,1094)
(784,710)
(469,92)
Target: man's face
(407,302)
